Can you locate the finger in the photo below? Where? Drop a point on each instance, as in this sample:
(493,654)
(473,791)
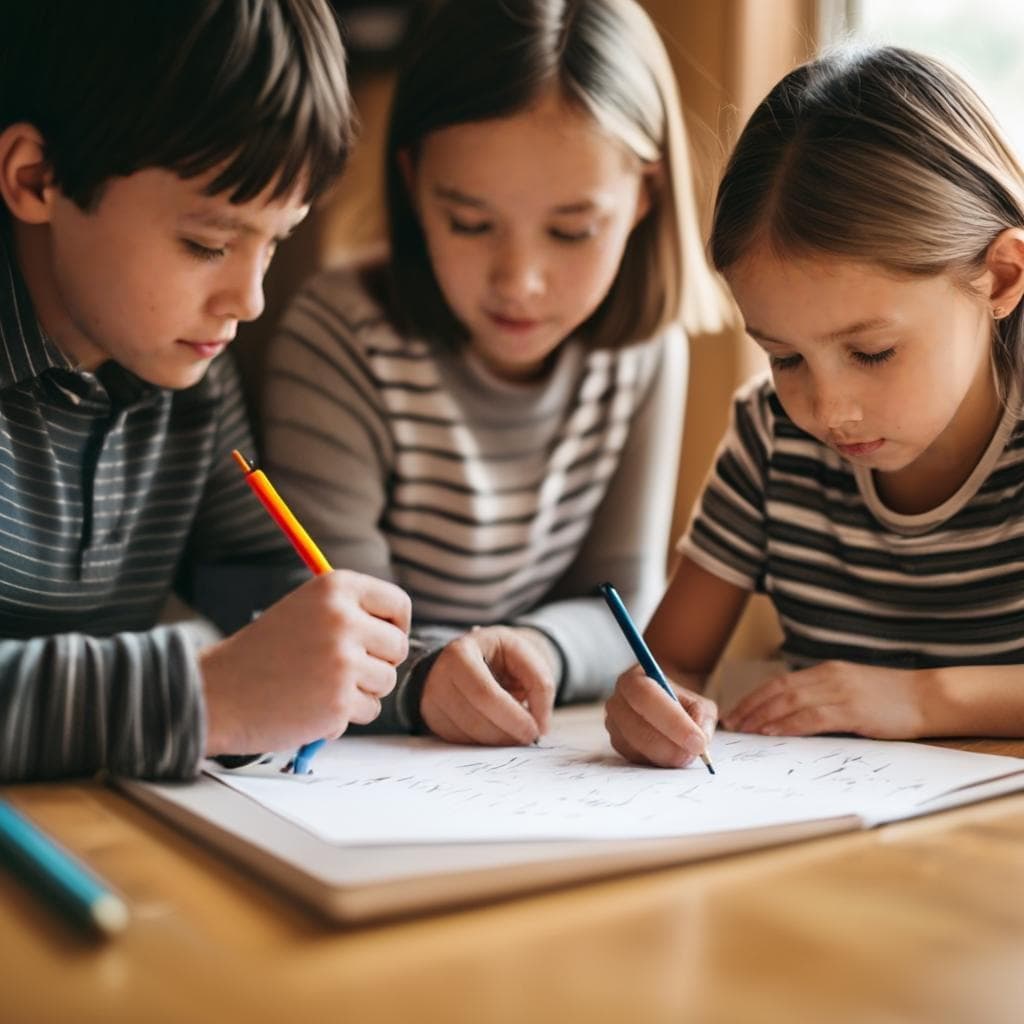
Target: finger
(383,640)
(660,712)
(442,726)
(477,684)
(381,599)
(374,677)
(702,710)
(672,740)
(807,721)
(530,679)
(485,718)
(788,702)
(767,691)
(363,708)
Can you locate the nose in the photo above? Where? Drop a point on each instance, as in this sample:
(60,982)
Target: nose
(835,404)
(517,271)
(240,292)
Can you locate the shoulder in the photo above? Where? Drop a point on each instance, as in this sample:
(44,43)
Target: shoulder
(756,402)
(661,360)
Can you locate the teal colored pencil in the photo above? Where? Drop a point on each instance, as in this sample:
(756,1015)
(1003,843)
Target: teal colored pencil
(57,875)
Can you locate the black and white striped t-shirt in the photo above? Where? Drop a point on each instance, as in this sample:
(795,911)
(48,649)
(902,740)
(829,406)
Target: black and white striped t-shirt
(109,489)
(849,578)
(487,501)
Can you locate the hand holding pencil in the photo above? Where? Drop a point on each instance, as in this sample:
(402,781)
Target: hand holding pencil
(645,727)
(311,664)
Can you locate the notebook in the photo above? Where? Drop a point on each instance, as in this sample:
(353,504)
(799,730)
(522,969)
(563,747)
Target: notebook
(388,826)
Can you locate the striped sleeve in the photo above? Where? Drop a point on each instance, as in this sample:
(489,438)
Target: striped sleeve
(73,705)
(727,534)
(627,540)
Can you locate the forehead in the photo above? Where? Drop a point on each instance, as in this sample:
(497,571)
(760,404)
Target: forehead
(549,152)
(817,295)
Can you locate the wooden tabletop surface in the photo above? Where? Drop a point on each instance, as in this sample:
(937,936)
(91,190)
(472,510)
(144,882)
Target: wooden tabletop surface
(917,921)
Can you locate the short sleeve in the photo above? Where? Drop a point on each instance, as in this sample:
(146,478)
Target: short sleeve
(726,535)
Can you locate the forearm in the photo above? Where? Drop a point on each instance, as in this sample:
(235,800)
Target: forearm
(72,705)
(974,700)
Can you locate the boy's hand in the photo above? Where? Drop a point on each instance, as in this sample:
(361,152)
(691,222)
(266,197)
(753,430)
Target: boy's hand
(646,727)
(835,696)
(320,658)
(476,689)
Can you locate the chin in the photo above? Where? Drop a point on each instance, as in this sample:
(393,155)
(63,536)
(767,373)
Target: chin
(176,379)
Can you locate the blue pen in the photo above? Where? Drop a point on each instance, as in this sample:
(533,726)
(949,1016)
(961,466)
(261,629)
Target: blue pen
(640,648)
(59,876)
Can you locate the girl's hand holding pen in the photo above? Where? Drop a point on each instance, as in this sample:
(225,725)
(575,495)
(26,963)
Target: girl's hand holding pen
(315,661)
(494,685)
(646,728)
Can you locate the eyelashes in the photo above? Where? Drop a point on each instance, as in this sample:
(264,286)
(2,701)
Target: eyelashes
(864,358)
(202,252)
(458,227)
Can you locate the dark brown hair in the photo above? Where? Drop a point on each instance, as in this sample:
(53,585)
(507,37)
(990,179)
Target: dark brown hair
(256,88)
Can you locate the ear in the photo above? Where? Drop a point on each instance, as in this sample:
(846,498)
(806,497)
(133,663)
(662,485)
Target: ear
(652,178)
(1004,263)
(26,177)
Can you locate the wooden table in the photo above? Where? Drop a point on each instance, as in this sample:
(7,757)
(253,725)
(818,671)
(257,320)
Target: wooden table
(919,921)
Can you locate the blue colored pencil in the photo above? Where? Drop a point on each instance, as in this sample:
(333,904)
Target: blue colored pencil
(300,765)
(643,653)
(55,873)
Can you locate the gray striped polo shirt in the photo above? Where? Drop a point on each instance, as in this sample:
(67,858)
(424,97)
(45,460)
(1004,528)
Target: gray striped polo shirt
(110,489)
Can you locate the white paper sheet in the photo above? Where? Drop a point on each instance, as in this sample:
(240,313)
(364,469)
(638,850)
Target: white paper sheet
(370,790)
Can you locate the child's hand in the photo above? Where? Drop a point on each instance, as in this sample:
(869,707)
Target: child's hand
(477,687)
(320,658)
(835,696)
(648,728)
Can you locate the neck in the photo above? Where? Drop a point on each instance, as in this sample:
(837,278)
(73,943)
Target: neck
(33,250)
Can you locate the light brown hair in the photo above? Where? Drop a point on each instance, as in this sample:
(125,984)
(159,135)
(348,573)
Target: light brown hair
(482,59)
(876,154)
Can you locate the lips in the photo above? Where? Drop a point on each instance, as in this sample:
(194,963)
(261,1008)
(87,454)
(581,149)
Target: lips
(518,325)
(206,349)
(860,448)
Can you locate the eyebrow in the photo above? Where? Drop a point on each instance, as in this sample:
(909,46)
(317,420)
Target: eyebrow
(229,223)
(453,195)
(876,323)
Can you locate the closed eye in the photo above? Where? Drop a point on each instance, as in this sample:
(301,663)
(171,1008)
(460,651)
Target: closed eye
(462,228)
(874,358)
(202,252)
(785,362)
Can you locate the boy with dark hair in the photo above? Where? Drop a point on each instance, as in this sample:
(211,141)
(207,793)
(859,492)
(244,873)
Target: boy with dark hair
(152,155)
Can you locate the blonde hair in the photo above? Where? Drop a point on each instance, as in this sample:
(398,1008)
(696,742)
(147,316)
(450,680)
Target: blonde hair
(608,59)
(876,154)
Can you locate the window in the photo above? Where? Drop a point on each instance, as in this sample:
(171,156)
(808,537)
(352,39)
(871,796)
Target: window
(982,39)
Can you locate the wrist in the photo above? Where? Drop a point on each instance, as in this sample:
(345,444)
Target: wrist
(220,738)
(937,704)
